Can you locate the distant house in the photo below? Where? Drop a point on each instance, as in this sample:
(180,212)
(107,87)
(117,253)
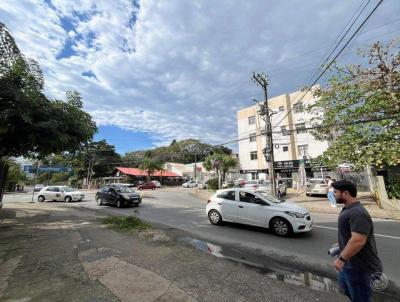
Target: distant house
(123,174)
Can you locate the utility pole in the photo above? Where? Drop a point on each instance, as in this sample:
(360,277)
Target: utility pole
(35,178)
(262,80)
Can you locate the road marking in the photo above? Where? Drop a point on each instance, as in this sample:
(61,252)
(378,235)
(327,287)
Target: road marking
(377,235)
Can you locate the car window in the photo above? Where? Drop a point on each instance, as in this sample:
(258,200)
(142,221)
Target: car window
(53,189)
(270,197)
(247,197)
(104,190)
(230,195)
(68,189)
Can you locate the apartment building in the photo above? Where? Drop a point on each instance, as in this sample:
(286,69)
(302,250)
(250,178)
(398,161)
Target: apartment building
(292,142)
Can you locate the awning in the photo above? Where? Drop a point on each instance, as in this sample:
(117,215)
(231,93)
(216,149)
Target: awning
(139,172)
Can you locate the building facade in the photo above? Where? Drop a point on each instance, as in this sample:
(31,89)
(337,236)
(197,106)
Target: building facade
(292,142)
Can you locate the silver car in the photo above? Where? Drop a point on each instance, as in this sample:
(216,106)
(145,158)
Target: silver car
(60,193)
(316,186)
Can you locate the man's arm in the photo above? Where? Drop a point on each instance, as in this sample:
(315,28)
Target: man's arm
(353,246)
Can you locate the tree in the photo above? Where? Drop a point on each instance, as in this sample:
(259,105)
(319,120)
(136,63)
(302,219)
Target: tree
(30,123)
(226,162)
(359,111)
(150,166)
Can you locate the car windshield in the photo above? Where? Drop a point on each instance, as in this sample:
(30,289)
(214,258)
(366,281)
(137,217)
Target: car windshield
(67,189)
(124,190)
(270,197)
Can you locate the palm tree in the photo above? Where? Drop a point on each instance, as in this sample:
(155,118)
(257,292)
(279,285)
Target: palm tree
(150,165)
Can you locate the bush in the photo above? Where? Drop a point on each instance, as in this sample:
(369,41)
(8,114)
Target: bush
(126,224)
(393,188)
(212,184)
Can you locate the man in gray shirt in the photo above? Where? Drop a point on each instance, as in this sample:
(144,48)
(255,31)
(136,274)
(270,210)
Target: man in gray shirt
(358,259)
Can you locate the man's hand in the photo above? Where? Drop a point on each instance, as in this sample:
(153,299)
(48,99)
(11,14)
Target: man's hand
(338,264)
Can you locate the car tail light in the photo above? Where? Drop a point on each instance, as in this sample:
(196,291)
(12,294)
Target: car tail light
(208,201)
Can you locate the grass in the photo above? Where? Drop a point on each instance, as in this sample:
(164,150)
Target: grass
(126,223)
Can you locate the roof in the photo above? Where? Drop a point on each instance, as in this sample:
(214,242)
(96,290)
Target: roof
(139,172)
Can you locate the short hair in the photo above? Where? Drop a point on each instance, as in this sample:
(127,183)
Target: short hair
(344,185)
(328,177)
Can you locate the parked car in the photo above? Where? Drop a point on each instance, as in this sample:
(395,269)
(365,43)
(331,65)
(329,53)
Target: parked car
(239,182)
(120,196)
(251,184)
(281,188)
(227,184)
(147,185)
(60,193)
(38,187)
(190,184)
(316,186)
(258,208)
(202,186)
(157,183)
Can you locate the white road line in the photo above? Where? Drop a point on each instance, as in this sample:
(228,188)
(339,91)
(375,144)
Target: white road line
(377,235)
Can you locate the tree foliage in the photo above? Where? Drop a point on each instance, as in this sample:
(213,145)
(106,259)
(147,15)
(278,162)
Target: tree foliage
(359,110)
(227,162)
(30,123)
(150,165)
(185,152)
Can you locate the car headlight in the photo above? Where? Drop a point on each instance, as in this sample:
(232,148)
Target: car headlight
(295,214)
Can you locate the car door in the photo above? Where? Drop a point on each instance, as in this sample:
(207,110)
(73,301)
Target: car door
(252,209)
(49,193)
(228,205)
(58,194)
(112,196)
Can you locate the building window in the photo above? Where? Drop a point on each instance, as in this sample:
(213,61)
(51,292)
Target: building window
(253,155)
(253,137)
(284,131)
(303,150)
(285,148)
(282,108)
(252,120)
(301,128)
(298,107)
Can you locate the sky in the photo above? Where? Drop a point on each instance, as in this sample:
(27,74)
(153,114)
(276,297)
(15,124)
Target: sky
(152,71)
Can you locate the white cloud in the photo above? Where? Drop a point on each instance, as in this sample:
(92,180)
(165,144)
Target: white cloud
(185,65)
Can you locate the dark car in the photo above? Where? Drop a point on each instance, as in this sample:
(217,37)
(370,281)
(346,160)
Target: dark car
(119,196)
(148,185)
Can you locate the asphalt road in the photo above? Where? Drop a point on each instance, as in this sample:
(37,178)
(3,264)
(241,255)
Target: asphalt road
(179,209)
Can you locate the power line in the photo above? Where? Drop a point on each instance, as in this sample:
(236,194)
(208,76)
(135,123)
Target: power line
(313,128)
(333,60)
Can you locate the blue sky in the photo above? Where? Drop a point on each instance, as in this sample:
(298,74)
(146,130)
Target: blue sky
(153,71)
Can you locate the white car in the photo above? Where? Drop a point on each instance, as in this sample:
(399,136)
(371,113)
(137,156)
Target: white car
(157,183)
(60,193)
(265,185)
(316,186)
(190,184)
(258,208)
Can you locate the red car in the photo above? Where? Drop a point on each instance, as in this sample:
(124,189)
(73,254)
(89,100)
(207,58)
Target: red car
(147,185)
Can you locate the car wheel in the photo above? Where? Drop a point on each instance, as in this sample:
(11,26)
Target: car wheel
(153,188)
(41,198)
(308,194)
(120,204)
(68,199)
(215,217)
(99,201)
(281,227)
(140,189)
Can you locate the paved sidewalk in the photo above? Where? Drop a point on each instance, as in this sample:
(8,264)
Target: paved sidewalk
(320,204)
(54,252)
